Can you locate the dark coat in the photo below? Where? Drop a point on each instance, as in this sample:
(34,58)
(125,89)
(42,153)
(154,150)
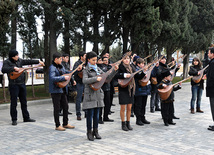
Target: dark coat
(124,97)
(175,88)
(210,79)
(92,99)
(55,76)
(8,67)
(76,76)
(105,68)
(193,71)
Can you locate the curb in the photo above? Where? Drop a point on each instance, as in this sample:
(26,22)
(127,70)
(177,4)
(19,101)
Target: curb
(29,103)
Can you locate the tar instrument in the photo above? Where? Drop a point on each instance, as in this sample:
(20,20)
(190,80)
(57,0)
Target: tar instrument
(97,85)
(143,82)
(64,83)
(14,75)
(173,70)
(198,78)
(165,92)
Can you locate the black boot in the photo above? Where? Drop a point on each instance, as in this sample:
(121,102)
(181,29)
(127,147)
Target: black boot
(145,121)
(139,122)
(128,125)
(171,122)
(124,127)
(165,122)
(90,135)
(96,134)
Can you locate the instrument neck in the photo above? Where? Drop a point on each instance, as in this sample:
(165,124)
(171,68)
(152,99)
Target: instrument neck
(182,80)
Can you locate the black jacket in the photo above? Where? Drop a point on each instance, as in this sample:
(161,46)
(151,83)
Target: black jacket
(210,79)
(76,76)
(193,71)
(105,68)
(175,88)
(9,64)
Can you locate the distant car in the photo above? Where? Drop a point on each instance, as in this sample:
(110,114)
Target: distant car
(190,60)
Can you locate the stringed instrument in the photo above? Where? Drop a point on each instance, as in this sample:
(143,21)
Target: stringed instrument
(165,92)
(143,82)
(173,70)
(64,83)
(97,85)
(198,78)
(14,75)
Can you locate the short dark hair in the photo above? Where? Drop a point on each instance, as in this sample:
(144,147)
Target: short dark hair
(65,55)
(81,54)
(104,58)
(56,55)
(139,61)
(211,50)
(90,55)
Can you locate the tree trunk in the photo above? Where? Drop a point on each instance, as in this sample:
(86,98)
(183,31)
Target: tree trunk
(96,31)
(32,74)
(125,36)
(66,37)
(46,51)
(186,66)
(14,29)
(3,86)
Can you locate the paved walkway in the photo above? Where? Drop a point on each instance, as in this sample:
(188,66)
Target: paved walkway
(188,136)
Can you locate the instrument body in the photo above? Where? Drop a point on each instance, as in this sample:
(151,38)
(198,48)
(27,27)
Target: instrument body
(97,85)
(64,83)
(14,75)
(165,92)
(198,78)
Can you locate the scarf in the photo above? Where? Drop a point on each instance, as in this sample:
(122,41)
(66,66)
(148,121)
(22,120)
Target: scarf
(94,67)
(131,85)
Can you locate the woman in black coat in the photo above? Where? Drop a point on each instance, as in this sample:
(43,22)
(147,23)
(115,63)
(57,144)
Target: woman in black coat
(126,95)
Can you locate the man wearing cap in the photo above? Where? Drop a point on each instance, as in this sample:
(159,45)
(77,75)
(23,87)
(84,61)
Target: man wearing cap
(17,86)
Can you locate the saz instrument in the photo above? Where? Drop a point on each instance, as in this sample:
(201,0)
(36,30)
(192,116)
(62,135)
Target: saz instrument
(97,85)
(198,78)
(165,92)
(173,70)
(143,82)
(64,83)
(14,75)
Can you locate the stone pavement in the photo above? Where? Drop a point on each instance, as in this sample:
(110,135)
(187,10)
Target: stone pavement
(188,136)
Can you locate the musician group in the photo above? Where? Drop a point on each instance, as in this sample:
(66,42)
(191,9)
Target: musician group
(95,78)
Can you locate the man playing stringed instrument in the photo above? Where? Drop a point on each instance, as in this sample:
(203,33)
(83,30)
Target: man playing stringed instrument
(167,105)
(59,97)
(17,86)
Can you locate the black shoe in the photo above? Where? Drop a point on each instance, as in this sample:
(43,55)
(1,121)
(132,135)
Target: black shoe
(211,128)
(157,109)
(108,120)
(112,112)
(113,105)
(14,122)
(90,135)
(100,121)
(60,114)
(69,113)
(30,120)
(124,127)
(171,123)
(132,114)
(139,122)
(152,110)
(166,124)
(145,121)
(174,117)
(109,113)
(128,125)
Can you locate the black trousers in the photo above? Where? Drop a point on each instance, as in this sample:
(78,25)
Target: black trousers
(18,90)
(107,107)
(140,107)
(167,111)
(60,99)
(212,106)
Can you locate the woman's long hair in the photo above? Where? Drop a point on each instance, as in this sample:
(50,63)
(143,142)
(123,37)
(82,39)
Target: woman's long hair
(90,55)
(196,59)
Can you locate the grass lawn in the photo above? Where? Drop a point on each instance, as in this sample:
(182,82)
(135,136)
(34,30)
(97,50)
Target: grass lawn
(40,93)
